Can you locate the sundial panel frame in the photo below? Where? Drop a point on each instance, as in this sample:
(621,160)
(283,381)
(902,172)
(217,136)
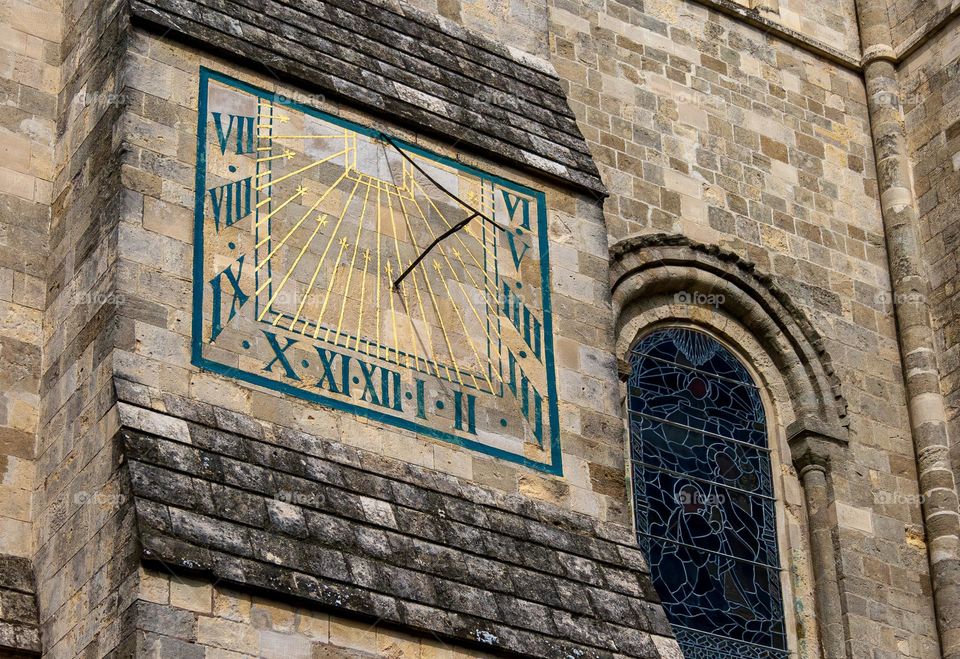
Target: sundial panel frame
(550,443)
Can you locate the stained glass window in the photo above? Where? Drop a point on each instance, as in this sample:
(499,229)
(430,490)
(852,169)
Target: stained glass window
(704,499)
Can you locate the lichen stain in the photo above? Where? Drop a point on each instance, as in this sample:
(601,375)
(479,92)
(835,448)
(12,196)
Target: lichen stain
(915,538)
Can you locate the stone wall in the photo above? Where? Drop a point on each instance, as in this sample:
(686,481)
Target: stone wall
(192,618)
(714,130)
(830,24)
(913,20)
(30,39)
(701,126)
(19,632)
(930,80)
(82,529)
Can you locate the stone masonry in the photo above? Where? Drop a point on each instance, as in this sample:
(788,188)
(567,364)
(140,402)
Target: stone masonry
(714,146)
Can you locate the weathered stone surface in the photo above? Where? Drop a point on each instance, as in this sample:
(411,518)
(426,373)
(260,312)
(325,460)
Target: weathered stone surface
(394,59)
(701,125)
(386,545)
(19,624)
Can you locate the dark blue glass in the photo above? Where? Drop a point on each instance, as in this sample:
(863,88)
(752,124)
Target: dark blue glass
(704,499)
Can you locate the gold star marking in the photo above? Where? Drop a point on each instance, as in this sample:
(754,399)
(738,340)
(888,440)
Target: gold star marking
(302,190)
(343,243)
(436,266)
(322,220)
(366,256)
(288,154)
(389,269)
(456,253)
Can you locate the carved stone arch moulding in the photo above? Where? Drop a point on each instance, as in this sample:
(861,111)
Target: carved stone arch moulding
(674,270)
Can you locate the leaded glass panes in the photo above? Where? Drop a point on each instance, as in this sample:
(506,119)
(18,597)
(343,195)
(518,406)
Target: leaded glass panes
(705,510)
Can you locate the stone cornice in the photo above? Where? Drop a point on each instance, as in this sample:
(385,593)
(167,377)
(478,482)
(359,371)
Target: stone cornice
(928,31)
(755,18)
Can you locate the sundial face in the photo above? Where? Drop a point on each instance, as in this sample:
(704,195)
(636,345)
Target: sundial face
(305,223)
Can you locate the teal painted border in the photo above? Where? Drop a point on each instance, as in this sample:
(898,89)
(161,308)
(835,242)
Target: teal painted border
(555,466)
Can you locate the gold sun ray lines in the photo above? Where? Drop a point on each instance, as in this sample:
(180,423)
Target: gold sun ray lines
(463,324)
(309,137)
(414,335)
(280,118)
(299,192)
(289,272)
(344,244)
(377,304)
(433,300)
(388,269)
(296,226)
(288,154)
(466,269)
(476,314)
(301,170)
(465,293)
(490,294)
(479,198)
(323,257)
(264,114)
(447,222)
(480,204)
(413,332)
(363,290)
(353,261)
(321,222)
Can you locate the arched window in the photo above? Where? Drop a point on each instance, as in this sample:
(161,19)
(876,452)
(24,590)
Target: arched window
(704,498)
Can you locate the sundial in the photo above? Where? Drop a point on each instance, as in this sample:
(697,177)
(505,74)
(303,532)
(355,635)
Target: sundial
(360,272)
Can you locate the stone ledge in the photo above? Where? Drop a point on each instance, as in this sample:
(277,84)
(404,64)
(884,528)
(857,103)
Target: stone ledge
(308,518)
(758,20)
(19,626)
(391,58)
(928,31)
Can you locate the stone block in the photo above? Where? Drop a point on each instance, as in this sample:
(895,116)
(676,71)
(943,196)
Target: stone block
(191,594)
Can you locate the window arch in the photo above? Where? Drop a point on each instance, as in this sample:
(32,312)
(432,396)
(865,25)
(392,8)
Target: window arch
(704,497)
